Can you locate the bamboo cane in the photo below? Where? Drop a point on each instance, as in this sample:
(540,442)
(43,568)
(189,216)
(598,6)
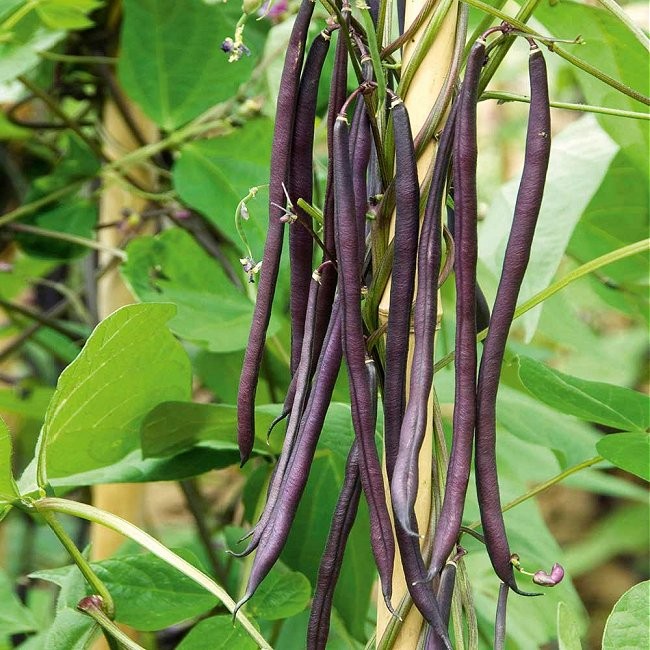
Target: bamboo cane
(422,93)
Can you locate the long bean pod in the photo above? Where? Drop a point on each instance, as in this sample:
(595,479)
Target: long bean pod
(285,112)
(300,185)
(303,376)
(405,475)
(402,280)
(465,242)
(343,518)
(274,534)
(354,349)
(529,198)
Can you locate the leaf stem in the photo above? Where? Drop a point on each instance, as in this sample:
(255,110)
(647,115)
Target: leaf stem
(76,58)
(538,489)
(576,274)
(33,206)
(92,608)
(586,108)
(39,318)
(561,52)
(119,525)
(67,237)
(84,566)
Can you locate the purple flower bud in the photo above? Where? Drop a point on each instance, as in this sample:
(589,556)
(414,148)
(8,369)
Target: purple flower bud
(545,580)
(182,213)
(91,603)
(227,45)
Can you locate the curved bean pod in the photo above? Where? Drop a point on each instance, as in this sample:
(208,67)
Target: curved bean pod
(303,376)
(276,530)
(343,518)
(285,112)
(529,198)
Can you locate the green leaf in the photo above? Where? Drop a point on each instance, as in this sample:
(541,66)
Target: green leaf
(149,594)
(28,37)
(624,531)
(171,267)
(281,594)
(15,618)
(170,61)
(71,630)
(629,451)
(129,364)
(614,406)
(567,629)
(27,401)
(610,47)
(608,223)
(77,217)
(627,625)
(214,175)
(175,427)
(528,419)
(66,14)
(587,151)
(8,488)
(217,633)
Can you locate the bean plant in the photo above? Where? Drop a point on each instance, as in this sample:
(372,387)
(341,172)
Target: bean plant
(364,284)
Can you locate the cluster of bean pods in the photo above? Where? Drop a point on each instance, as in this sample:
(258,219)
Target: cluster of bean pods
(328,325)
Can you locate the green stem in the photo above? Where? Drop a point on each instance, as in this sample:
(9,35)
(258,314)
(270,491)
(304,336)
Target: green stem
(482,27)
(538,489)
(561,52)
(576,274)
(418,21)
(585,108)
(84,566)
(92,608)
(56,109)
(374,55)
(18,15)
(29,208)
(313,212)
(119,525)
(75,58)
(39,318)
(613,7)
(422,47)
(524,13)
(73,239)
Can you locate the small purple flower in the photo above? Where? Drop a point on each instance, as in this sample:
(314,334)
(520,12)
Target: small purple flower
(545,580)
(274,10)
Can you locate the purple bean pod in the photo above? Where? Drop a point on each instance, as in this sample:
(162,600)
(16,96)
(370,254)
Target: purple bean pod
(529,198)
(343,519)
(274,534)
(303,383)
(285,112)
(405,246)
(405,474)
(466,245)
(354,349)
(300,185)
